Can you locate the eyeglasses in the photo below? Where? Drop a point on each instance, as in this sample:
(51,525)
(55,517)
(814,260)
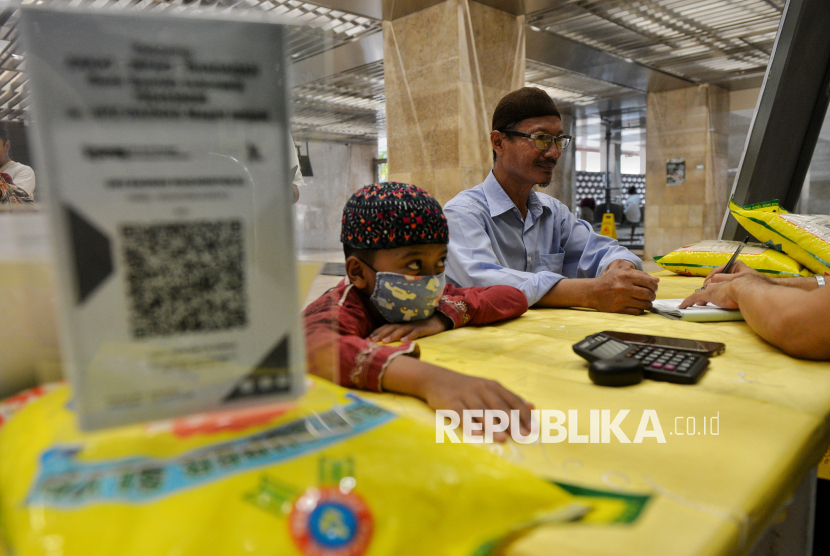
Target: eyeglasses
(542,140)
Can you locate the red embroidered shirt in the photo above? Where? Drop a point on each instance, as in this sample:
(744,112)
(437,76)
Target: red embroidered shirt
(338,324)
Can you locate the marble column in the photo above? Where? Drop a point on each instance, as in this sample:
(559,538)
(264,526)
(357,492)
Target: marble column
(445,69)
(691,124)
(562,184)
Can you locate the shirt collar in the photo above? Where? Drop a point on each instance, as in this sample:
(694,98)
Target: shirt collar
(498,202)
(534,205)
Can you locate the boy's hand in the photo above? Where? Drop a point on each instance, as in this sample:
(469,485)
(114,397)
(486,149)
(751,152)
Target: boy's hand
(442,388)
(450,390)
(409,331)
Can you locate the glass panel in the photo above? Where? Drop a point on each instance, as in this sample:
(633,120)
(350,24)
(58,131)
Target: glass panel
(815,193)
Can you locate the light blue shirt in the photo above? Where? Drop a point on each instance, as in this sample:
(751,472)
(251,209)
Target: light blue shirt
(490,243)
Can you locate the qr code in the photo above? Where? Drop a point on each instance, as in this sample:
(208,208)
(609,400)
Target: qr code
(184,277)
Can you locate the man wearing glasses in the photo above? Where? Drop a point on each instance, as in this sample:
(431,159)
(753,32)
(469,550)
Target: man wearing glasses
(504,232)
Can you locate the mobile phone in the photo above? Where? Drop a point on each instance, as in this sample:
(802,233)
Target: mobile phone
(710,349)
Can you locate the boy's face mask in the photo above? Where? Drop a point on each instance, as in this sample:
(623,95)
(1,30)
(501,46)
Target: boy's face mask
(404,298)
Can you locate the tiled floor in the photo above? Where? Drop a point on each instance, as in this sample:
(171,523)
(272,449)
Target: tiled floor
(322,283)
(328,256)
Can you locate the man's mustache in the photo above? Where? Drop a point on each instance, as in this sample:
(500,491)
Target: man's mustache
(553,165)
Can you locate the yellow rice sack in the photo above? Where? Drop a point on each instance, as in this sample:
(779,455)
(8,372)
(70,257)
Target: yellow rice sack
(332,476)
(699,259)
(806,238)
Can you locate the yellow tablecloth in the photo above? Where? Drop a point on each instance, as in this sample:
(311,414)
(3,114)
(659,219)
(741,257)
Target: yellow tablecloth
(714,494)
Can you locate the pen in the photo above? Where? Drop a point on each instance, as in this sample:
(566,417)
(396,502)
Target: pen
(735,256)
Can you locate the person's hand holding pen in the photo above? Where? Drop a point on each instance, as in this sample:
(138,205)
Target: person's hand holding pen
(738,269)
(713,290)
(731,269)
(722,295)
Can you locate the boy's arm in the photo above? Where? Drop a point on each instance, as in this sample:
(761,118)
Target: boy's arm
(459,307)
(337,351)
(441,388)
(483,305)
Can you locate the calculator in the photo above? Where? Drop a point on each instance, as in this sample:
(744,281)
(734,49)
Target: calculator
(659,363)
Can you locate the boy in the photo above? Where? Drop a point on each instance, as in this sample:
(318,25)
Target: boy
(395,239)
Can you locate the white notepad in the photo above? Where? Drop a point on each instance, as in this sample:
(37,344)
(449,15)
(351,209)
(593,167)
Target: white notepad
(707,313)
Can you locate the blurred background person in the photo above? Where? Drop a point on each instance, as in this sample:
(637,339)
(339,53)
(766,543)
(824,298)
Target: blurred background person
(631,210)
(21,175)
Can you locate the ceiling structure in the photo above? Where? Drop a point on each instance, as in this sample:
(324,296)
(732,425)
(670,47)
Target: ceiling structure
(344,107)
(569,88)
(348,106)
(724,42)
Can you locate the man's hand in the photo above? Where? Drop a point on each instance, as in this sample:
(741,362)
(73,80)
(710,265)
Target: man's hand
(620,264)
(721,294)
(622,290)
(738,269)
(409,331)
(450,390)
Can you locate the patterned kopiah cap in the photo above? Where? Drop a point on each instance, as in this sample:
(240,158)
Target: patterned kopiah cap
(389,215)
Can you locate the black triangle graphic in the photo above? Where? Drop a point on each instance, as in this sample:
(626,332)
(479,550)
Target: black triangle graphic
(272,376)
(93,256)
